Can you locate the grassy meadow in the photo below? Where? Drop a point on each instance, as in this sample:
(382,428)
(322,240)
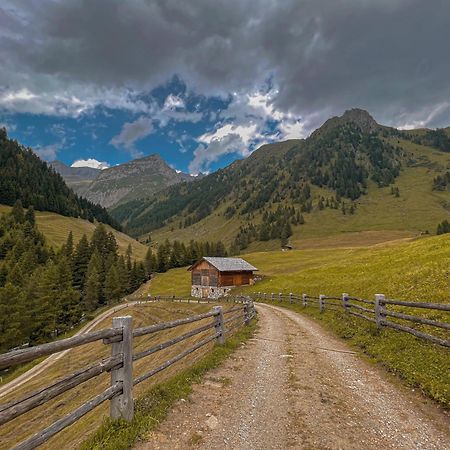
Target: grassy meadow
(42,416)
(416,270)
(56,228)
(416,210)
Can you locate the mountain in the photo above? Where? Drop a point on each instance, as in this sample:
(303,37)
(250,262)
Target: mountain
(78,178)
(352,174)
(134,180)
(25,177)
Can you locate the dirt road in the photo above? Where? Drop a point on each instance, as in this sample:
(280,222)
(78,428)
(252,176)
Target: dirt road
(39,368)
(296,386)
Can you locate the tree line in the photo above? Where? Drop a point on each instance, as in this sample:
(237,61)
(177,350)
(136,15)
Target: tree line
(24,176)
(44,293)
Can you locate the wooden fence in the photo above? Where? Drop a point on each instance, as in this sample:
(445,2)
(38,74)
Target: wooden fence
(376,311)
(119,364)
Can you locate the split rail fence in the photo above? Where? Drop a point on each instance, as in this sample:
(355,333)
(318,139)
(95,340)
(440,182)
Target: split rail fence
(377,312)
(119,364)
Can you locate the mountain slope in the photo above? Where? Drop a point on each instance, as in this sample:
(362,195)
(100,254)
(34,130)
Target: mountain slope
(25,177)
(78,178)
(133,180)
(56,228)
(351,174)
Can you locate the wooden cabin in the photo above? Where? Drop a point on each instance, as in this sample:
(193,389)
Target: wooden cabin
(214,277)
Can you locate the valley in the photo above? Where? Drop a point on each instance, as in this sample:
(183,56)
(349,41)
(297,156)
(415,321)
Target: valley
(234,211)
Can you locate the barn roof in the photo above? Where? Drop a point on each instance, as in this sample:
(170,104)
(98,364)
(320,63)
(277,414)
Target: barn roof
(227,264)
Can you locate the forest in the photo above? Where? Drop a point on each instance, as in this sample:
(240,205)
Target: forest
(24,176)
(45,293)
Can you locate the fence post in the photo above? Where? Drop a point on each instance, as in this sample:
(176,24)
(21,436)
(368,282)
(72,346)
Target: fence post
(219,325)
(290,297)
(247,312)
(322,303)
(122,406)
(273,297)
(345,301)
(379,308)
(280,297)
(305,299)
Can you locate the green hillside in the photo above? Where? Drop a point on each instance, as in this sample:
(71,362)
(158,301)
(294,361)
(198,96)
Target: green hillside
(56,228)
(25,177)
(405,269)
(414,270)
(351,175)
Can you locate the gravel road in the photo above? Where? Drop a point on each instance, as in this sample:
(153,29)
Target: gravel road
(296,386)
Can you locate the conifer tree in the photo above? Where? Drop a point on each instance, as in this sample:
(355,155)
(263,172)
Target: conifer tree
(17,212)
(113,290)
(30,216)
(92,289)
(69,245)
(81,260)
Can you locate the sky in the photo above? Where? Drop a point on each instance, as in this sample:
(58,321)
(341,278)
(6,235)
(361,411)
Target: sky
(203,82)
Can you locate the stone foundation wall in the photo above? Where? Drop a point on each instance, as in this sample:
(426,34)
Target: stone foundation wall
(212,292)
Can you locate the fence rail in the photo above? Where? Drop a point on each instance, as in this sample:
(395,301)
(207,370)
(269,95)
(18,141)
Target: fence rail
(379,314)
(119,364)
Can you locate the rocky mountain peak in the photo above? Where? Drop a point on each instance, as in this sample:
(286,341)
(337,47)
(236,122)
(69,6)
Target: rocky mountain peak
(356,116)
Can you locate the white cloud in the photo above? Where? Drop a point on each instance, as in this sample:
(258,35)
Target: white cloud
(47,152)
(90,162)
(206,154)
(173,102)
(291,129)
(421,118)
(247,133)
(249,121)
(131,133)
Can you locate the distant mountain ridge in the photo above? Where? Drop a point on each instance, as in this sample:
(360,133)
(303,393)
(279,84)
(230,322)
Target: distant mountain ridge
(281,186)
(133,180)
(78,178)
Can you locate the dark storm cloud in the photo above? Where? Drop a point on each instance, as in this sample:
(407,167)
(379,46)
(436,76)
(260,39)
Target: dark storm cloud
(388,56)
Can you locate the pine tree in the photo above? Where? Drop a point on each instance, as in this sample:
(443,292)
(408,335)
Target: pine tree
(93,288)
(69,245)
(81,260)
(113,290)
(17,212)
(30,216)
(69,312)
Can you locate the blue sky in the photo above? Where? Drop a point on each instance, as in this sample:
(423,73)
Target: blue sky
(203,83)
(193,133)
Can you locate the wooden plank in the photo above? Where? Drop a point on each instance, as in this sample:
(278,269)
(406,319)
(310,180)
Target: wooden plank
(417,333)
(44,435)
(438,306)
(237,316)
(361,308)
(122,406)
(415,319)
(175,359)
(167,325)
(362,316)
(18,407)
(171,342)
(28,354)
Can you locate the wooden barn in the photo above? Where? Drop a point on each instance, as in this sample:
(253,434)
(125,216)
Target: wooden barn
(214,277)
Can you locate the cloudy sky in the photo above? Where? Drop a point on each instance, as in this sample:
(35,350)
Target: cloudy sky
(204,82)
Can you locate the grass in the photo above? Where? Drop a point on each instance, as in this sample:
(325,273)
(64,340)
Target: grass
(418,209)
(42,416)
(153,406)
(416,270)
(56,228)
